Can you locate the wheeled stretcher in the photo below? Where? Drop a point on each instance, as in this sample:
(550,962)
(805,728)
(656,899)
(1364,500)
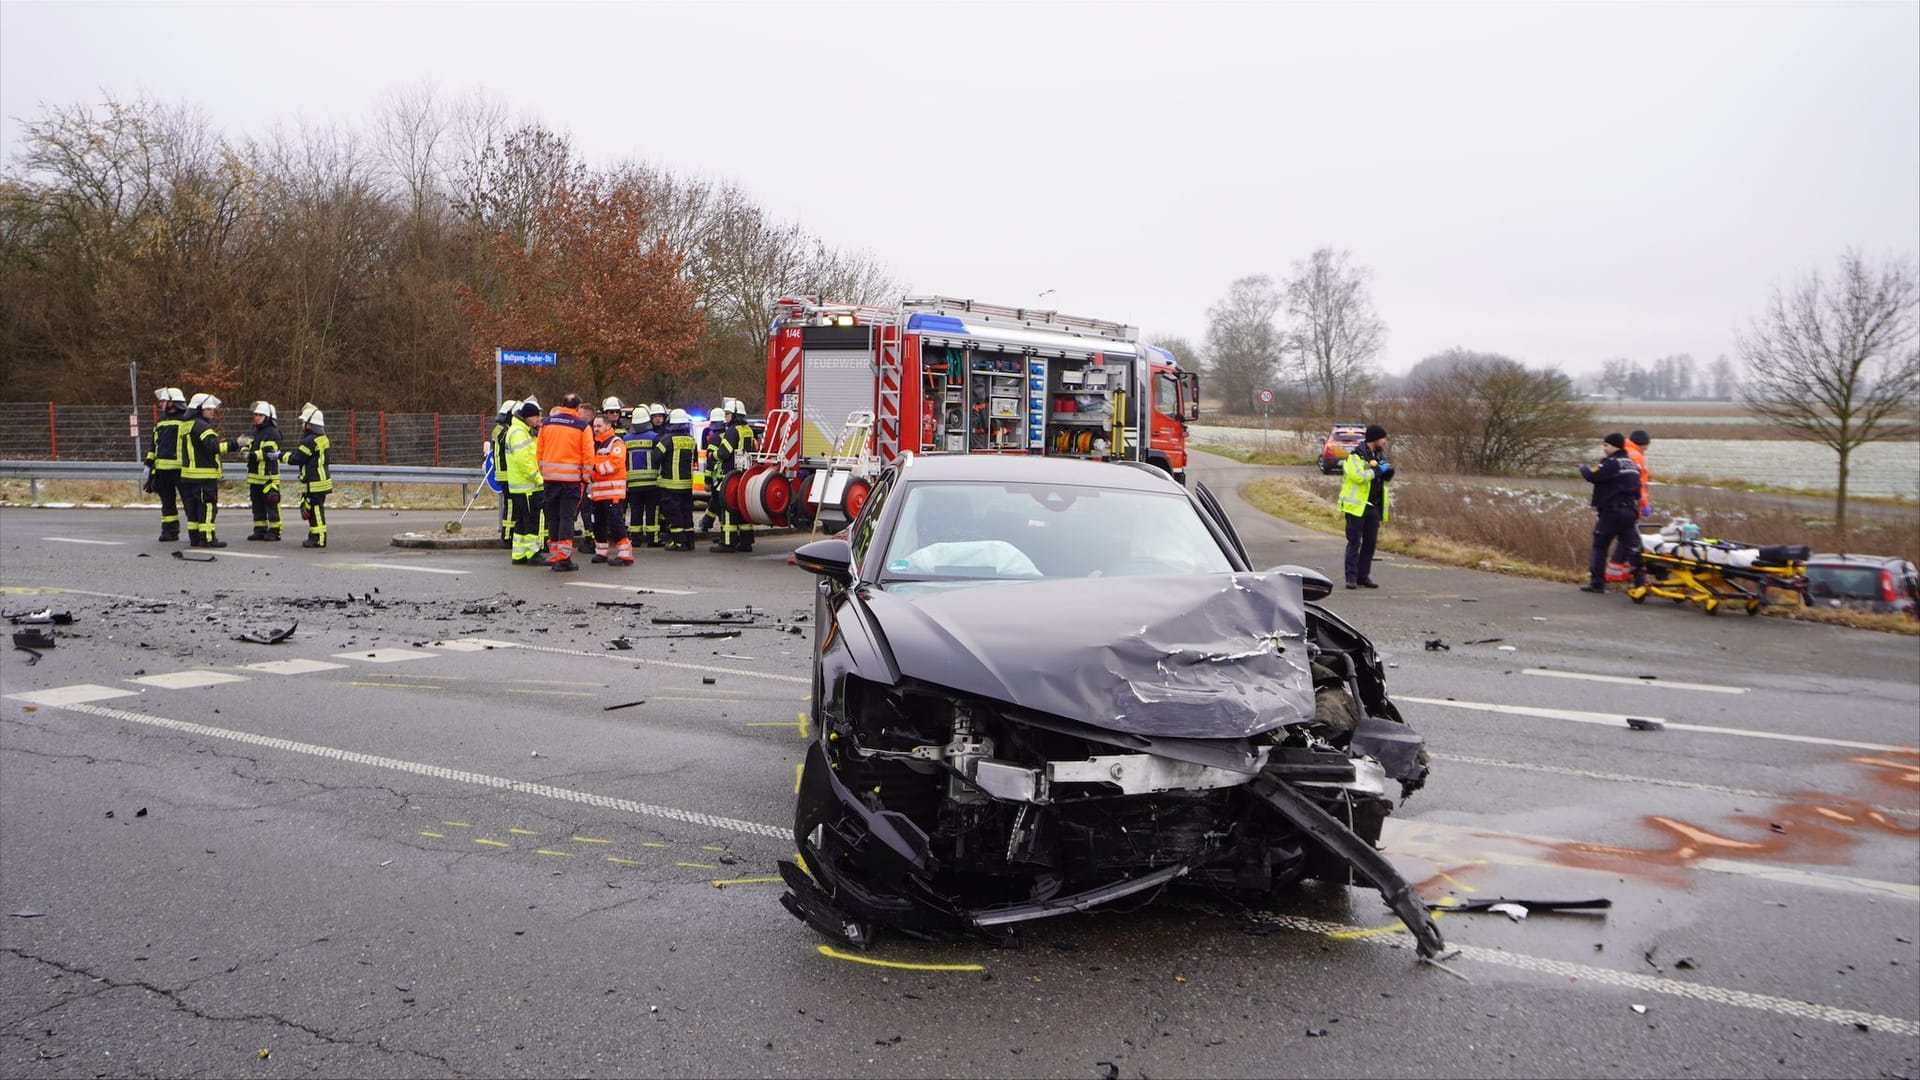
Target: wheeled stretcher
(1712,572)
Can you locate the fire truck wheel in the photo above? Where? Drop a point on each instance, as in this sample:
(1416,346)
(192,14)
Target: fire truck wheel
(775,496)
(855,498)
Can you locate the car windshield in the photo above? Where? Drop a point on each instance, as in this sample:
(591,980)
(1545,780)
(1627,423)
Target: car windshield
(1843,581)
(960,532)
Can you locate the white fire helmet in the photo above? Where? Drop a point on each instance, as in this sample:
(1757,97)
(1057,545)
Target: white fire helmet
(736,408)
(311,414)
(265,408)
(170,393)
(679,416)
(719,413)
(613,404)
(204,401)
(508,406)
(656,409)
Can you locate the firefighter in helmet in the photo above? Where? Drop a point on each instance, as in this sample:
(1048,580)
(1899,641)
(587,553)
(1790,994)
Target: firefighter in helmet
(643,474)
(200,469)
(314,460)
(674,452)
(163,458)
(731,448)
(263,473)
(521,476)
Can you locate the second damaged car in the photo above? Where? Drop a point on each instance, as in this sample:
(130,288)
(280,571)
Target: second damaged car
(1045,685)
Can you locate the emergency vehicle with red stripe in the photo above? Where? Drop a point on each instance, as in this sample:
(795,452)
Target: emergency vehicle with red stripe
(851,387)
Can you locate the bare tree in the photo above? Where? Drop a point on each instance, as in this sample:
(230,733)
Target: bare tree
(1243,346)
(1486,413)
(1838,363)
(1721,372)
(1334,333)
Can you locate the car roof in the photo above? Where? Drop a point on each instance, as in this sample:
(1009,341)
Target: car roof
(1023,468)
(1828,558)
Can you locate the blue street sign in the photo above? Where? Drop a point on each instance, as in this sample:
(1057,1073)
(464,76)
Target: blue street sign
(526,358)
(487,472)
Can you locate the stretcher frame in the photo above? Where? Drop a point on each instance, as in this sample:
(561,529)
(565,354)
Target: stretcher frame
(1682,580)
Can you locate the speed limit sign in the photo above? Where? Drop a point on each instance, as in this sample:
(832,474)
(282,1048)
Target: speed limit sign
(1266,397)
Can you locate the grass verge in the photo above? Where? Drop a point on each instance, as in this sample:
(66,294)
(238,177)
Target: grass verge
(1251,456)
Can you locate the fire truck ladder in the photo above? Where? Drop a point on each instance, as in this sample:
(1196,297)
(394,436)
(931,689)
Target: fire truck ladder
(1034,317)
(849,456)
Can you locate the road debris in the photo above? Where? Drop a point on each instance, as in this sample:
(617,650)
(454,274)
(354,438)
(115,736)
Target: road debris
(1512,911)
(623,705)
(42,618)
(1497,902)
(621,643)
(1638,723)
(34,637)
(620,603)
(1641,1009)
(269,637)
(27,913)
(1436,645)
(193,556)
(1484,641)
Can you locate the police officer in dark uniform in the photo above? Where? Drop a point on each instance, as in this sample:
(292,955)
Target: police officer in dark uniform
(1616,507)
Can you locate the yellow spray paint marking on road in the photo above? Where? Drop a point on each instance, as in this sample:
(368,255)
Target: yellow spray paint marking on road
(651,843)
(399,685)
(747,881)
(556,854)
(711,847)
(591,840)
(1396,928)
(828,950)
(550,693)
(803,725)
(1457,883)
(798,766)
(623,862)
(489,843)
(523,832)
(456,825)
(697,865)
(435,835)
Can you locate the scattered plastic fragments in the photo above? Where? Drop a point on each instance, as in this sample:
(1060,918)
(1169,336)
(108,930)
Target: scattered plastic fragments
(623,705)
(1497,902)
(1641,1009)
(1484,641)
(1516,912)
(34,637)
(193,556)
(25,913)
(620,643)
(42,618)
(1638,723)
(1436,645)
(269,637)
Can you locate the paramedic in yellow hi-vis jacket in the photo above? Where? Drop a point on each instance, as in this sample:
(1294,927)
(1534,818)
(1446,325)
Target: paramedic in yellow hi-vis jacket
(263,473)
(163,458)
(200,469)
(313,457)
(520,472)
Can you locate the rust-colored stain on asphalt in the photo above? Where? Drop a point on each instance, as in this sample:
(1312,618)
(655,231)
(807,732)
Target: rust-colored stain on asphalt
(1815,828)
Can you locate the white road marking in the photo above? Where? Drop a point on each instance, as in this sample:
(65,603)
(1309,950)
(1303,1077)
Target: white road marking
(1500,957)
(1651,984)
(1625,778)
(77,540)
(62,696)
(293,667)
(630,588)
(1620,720)
(468,645)
(547,791)
(384,656)
(1661,684)
(188,680)
(12,589)
(393,566)
(248,555)
(629,658)
(1451,843)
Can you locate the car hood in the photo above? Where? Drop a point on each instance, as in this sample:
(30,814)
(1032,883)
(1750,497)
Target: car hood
(1202,656)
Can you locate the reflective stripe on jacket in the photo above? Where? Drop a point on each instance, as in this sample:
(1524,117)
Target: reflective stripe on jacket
(735,440)
(642,470)
(200,451)
(522,458)
(1356,486)
(565,446)
(263,457)
(676,451)
(608,480)
(311,458)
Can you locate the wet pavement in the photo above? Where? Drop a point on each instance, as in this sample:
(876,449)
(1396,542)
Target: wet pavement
(468,819)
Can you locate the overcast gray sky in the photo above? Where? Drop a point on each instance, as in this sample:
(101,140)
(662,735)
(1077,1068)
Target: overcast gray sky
(1559,182)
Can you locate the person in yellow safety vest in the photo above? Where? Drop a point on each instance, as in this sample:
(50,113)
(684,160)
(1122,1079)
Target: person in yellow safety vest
(1364,502)
(607,494)
(163,458)
(674,452)
(263,473)
(709,465)
(565,447)
(734,443)
(496,436)
(200,469)
(313,458)
(643,474)
(521,477)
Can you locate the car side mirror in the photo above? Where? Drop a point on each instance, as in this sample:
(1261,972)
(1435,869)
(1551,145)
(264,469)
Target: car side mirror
(831,558)
(1314,585)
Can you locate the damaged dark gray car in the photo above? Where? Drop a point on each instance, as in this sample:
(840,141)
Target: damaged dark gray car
(1043,685)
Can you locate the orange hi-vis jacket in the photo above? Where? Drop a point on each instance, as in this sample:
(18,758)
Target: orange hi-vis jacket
(1639,455)
(607,477)
(566,446)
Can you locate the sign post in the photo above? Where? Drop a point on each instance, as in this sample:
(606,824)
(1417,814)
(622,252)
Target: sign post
(1266,416)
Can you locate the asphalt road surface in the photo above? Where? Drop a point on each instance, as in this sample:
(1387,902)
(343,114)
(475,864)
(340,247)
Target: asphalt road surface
(449,827)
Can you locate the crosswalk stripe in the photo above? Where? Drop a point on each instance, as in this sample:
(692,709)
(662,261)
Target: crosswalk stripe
(188,680)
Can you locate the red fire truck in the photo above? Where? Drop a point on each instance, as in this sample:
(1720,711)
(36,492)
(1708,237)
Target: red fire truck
(852,387)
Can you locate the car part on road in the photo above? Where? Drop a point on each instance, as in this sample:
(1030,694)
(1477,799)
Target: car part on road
(1580,906)
(270,637)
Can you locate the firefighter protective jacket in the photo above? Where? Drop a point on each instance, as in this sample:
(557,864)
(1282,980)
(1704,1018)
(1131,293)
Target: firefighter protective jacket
(608,475)
(311,457)
(736,439)
(642,470)
(200,450)
(522,467)
(675,450)
(263,457)
(163,452)
(566,446)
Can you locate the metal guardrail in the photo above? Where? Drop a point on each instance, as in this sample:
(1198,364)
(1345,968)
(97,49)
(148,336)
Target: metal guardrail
(35,471)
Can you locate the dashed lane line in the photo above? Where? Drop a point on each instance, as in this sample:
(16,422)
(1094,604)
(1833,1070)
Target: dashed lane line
(1620,720)
(392,566)
(1652,781)
(1497,957)
(624,658)
(1658,684)
(352,757)
(642,589)
(77,540)
(1587,973)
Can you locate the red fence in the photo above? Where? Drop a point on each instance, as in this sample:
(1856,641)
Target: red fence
(41,431)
